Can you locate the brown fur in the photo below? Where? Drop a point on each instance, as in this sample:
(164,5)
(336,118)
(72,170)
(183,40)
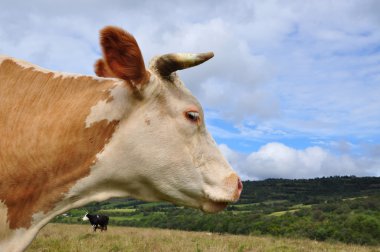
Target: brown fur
(45,147)
(122,56)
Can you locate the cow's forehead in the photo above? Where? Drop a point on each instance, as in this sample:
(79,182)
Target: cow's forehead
(175,89)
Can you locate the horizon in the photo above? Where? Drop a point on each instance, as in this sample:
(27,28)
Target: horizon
(329,177)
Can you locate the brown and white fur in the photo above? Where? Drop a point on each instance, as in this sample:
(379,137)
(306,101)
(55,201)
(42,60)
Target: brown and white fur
(67,140)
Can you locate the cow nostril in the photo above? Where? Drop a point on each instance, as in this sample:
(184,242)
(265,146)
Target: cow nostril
(240,185)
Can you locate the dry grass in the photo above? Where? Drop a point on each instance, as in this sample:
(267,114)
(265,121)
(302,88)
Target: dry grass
(71,238)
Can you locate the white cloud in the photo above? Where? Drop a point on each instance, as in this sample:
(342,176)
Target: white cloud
(276,160)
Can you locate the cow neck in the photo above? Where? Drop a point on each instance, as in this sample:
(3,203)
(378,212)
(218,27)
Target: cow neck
(46,144)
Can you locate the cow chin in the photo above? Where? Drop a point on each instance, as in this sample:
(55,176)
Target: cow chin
(213,207)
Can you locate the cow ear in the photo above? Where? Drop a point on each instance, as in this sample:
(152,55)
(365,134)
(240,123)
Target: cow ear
(122,57)
(102,69)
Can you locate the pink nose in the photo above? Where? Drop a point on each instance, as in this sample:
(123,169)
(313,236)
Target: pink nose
(240,186)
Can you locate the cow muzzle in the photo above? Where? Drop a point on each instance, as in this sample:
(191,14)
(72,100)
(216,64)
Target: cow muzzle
(217,200)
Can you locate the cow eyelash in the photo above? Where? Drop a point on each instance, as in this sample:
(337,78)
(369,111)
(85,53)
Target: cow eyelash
(192,116)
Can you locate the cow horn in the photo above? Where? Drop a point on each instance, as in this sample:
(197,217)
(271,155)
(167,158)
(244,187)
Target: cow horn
(169,63)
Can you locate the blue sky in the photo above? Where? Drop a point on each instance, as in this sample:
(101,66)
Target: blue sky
(293,90)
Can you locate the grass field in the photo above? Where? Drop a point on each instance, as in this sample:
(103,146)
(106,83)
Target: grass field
(80,238)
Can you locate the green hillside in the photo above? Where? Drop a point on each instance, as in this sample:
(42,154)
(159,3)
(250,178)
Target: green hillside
(345,209)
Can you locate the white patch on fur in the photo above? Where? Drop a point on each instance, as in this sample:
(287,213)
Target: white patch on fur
(113,110)
(13,240)
(17,240)
(37,217)
(4,225)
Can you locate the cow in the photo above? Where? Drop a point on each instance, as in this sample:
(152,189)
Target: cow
(97,221)
(67,140)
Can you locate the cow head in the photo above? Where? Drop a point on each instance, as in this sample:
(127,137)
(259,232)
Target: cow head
(85,217)
(162,147)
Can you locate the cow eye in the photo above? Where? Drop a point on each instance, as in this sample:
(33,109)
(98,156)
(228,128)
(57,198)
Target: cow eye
(192,116)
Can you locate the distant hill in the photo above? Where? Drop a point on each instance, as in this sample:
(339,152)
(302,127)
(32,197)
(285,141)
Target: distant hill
(309,191)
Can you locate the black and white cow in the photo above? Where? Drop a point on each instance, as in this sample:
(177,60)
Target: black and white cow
(97,221)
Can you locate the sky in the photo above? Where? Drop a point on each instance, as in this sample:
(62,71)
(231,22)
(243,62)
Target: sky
(292,92)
